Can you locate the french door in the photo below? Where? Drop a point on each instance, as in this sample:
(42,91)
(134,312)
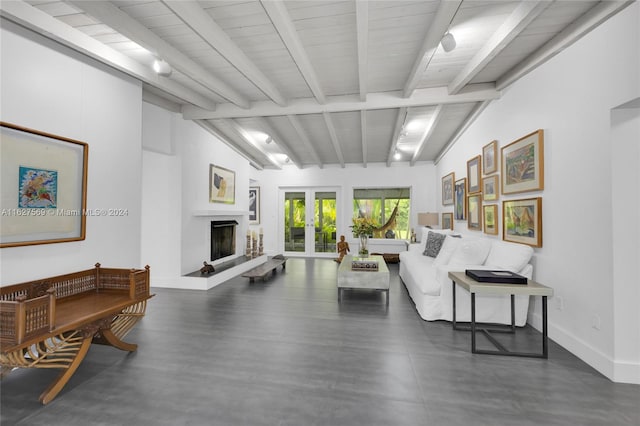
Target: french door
(308,221)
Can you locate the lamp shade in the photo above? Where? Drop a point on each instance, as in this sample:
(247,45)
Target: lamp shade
(428,219)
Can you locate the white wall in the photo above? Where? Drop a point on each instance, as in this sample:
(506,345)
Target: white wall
(55,90)
(423,197)
(176,159)
(571,97)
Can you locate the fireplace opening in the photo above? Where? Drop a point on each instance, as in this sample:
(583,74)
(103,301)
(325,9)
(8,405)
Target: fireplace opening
(223,238)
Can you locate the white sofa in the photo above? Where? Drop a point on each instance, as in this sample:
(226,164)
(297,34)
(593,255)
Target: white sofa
(428,284)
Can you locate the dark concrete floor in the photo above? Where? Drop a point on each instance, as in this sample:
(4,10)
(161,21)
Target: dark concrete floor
(284,352)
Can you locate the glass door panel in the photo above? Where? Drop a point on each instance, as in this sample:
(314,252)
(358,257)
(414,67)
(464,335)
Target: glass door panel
(309,219)
(325,222)
(295,214)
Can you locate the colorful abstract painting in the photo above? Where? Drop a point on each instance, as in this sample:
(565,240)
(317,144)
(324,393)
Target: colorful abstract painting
(38,188)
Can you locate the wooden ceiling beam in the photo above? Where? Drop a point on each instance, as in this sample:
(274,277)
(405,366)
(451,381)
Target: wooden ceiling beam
(375,101)
(362,29)
(194,16)
(297,126)
(50,27)
(363,132)
(435,118)
(240,131)
(581,26)
(334,137)
(402,115)
(441,22)
(281,20)
(519,19)
(224,138)
(110,15)
(279,140)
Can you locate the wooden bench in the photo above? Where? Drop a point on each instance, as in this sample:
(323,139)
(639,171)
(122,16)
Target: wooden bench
(269,266)
(50,323)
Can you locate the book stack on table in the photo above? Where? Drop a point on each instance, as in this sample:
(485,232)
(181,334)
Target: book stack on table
(496,277)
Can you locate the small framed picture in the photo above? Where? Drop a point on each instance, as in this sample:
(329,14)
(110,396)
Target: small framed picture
(460,205)
(447,221)
(474,173)
(254,205)
(222,185)
(522,221)
(490,188)
(490,158)
(490,219)
(474,218)
(523,164)
(448,183)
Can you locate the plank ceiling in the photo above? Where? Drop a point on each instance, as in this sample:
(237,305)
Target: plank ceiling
(321,83)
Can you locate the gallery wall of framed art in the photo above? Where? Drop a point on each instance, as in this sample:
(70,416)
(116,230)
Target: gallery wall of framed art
(518,169)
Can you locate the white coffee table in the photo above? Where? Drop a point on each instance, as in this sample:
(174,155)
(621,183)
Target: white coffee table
(370,280)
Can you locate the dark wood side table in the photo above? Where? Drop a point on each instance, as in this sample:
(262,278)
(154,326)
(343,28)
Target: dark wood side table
(474,287)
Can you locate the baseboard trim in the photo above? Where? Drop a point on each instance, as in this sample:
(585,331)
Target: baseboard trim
(616,371)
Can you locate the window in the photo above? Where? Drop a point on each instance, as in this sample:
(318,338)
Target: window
(389,207)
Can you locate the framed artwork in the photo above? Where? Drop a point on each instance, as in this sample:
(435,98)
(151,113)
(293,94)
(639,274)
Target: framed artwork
(43,180)
(490,219)
(254,205)
(522,221)
(490,188)
(474,173)
(460,205)
(447,221)
(222,185)
(448,183)
(523,164)
(490,158)
(474,213)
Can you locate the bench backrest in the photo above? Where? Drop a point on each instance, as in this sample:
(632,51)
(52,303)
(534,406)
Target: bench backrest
(28,309)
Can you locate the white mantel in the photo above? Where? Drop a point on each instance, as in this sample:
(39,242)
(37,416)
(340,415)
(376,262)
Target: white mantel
(214,213)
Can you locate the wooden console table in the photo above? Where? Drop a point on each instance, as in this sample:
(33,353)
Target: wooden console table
(51,323)
(474,287)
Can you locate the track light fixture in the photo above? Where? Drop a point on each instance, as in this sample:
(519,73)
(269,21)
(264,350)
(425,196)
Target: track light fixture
(448,42)
(162,68)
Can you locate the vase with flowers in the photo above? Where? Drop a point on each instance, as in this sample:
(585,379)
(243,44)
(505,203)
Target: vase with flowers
(363,227)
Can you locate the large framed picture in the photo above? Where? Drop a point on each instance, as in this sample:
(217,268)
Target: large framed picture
(460,206)
(43,180)
(522,221)
(448,183)
(474,174)
(474,212)
(490,219)
(490,188)
(222,185)
(523,164)
(254,205)
(447,221)
(490,158)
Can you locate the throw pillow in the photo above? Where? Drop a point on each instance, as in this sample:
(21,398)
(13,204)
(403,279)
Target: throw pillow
(434,244)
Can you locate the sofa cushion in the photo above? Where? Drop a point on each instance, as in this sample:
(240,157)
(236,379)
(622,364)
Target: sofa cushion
(434,243)
(471,251)
(449,245)
(510,256)
(425,235)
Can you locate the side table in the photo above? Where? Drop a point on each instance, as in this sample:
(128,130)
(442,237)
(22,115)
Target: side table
(474,287)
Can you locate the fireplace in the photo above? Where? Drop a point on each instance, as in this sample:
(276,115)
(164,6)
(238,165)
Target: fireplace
(223,238)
